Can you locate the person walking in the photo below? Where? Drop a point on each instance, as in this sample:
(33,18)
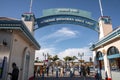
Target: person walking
(84,72)
(42,71)
(72,71)
(47,70)
(88,70)
(52,70)
(96,75)
(57,71)
(38,72)
(65,72)
(80,70)
(15,72)
(61,71)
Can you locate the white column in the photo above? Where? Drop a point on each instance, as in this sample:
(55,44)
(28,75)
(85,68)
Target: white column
(94,58)
(107,67)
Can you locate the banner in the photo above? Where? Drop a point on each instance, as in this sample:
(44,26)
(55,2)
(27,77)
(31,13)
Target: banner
(67,19)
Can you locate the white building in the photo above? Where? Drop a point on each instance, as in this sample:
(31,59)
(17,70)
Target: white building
(17,44)
(106,51)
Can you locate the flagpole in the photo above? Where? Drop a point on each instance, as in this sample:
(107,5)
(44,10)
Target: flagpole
(101,10)
(31,6)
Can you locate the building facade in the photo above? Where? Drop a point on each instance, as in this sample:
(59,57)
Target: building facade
(17,44)
(106,52)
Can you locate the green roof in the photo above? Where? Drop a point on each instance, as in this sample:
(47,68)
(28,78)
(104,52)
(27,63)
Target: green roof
(109,37)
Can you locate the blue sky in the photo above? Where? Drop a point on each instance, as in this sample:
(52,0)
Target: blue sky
(63,39)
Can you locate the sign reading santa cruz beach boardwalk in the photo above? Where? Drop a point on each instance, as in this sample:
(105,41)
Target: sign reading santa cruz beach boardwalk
(67,16)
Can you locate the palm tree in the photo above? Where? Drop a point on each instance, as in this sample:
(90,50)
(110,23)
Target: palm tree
(54,58)
(37,59)
(49,57)
(67,58)
(74,58)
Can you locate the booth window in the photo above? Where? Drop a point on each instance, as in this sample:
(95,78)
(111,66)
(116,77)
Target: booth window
(100,61)
(99,54)
(114,58)
(112,50)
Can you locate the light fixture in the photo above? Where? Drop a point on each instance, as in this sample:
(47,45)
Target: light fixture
(3,43)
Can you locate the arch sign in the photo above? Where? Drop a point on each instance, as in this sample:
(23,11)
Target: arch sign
(67,16)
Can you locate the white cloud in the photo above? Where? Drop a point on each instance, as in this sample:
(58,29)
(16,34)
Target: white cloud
(39,53)
(60,35)
(66,32)
(75,51)
(67,52)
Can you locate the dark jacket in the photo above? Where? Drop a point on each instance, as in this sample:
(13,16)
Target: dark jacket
(15,74)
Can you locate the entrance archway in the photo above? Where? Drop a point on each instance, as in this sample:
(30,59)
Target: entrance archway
(67,16)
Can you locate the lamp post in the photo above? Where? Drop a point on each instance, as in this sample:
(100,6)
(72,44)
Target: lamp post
(45,55)
(81,55)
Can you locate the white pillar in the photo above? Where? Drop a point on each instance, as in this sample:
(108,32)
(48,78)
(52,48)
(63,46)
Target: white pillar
(94,58)
(107,67)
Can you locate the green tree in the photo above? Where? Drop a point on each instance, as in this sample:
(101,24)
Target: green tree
(54,58)
(74,58)
(37,59)
(49,57)
(67,58)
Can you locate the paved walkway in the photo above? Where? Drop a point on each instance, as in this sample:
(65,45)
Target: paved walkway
(66,77)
